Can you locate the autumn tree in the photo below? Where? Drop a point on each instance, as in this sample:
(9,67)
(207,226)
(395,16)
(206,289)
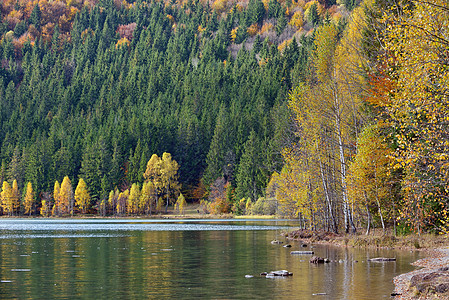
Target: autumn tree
(66,198)
(180,204)
(153,174)
(29,199)
(369,174)
(416,47)
(15,197)
(147,197)
(133,199)
(163,173)
(57,207)
(82,197)
(169,176)
(7,198)
(45,208)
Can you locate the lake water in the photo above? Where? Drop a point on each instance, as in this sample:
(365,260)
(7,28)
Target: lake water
(166,259)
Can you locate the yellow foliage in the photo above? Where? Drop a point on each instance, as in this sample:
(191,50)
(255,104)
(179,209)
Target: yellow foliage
(234,34)
(66,197)
(320,8)
(160,204)
(6,198)
(82,196)
(266,27)
(416,45)
(252,30)
(297,19)
(220,5)
(122,42)
(45,209)
(284,45)
(171,19)
(29,198)
(133,199)
(180,204)
(201,29)
(248,206)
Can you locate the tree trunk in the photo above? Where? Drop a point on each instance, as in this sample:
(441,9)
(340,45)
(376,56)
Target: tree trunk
(349,222)
(328,200)
(380,213)
(368,214)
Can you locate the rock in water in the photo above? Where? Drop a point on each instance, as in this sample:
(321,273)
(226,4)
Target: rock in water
(276,242)
(316,260)
(287,246)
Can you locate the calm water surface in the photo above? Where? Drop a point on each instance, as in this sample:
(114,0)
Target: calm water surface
(161,259)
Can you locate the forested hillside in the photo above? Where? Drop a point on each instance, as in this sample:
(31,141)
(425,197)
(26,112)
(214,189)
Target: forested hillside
(92,89)
(335,112)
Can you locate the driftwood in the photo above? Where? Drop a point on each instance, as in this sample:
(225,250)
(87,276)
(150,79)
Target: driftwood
(276,273)
(302,252)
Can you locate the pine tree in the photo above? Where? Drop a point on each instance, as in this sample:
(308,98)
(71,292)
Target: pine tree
(249,178)
(35,17)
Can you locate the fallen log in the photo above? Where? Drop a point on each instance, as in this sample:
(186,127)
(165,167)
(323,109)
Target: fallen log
(380,259)
(277,273)
(302,252)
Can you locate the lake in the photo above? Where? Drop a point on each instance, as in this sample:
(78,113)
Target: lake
(188,259)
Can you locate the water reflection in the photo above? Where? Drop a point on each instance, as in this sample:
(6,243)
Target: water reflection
(89,262)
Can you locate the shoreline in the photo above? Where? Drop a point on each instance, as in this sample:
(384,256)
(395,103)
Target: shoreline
(430,281)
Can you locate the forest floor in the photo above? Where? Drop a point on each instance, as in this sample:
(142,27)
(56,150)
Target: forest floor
(430,281)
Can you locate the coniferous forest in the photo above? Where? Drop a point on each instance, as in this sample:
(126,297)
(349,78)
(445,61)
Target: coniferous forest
(334,112)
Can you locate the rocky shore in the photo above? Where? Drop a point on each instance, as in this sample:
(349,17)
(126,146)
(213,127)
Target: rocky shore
(429,282)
